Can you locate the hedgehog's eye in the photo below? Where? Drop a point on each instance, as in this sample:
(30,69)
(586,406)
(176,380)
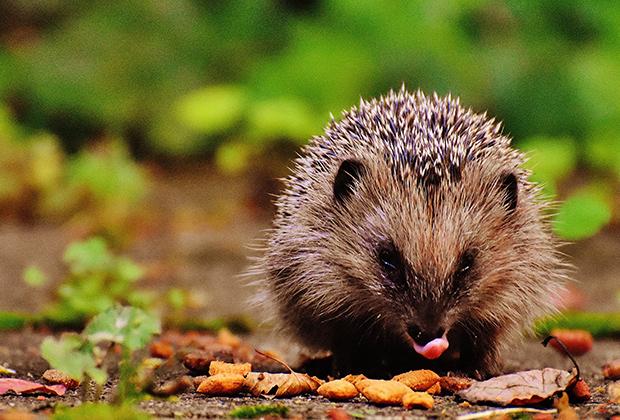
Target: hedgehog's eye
(390,260)
(466,263)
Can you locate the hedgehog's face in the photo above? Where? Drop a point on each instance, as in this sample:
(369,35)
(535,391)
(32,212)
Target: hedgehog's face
(446,262)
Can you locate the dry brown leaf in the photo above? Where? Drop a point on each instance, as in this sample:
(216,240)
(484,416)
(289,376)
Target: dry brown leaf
(613,391)
(521,388)
(611,370)
(383,392)
(418,380)
(417,399)
(222,384)
(55,376)
(338,390)
(21,386)
(453,384)
(222,367)
(280,385)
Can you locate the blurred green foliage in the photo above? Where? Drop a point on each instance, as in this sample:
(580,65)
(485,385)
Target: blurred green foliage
(188,78)
(96,281)
(98,189)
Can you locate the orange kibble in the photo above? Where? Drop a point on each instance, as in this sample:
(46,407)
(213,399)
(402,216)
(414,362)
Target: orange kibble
(418,399)
(217,367)
(383,392)
(222,384)
(338,390)
(435,389)
(418,380)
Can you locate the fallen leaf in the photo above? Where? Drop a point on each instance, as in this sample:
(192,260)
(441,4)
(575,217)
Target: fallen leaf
(611,370)
(418,380)
(222,367)
(280,385)
(338,390)
(20,386)
(578,342)
(521,388)
(508,413)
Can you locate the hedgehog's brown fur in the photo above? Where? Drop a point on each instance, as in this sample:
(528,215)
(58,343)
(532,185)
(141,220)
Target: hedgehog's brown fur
(431,182)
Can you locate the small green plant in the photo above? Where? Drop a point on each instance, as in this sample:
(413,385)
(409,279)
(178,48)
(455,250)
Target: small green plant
(96,281)
(99,411)
(85,356)
(252,411)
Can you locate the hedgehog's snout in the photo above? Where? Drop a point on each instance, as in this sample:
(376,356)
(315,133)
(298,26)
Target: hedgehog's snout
(424,335)
(429,342)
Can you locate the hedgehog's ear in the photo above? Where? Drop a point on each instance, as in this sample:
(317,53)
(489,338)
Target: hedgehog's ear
(510,188)
(348,175)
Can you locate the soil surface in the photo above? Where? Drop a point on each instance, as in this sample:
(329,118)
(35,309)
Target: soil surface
(19,350)
(202,245)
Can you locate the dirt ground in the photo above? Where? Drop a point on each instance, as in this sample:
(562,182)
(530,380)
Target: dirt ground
(19,350)
(203,243)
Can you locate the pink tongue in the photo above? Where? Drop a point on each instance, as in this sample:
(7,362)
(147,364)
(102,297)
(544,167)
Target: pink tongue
(433,349)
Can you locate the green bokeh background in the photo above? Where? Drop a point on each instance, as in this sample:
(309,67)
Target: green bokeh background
(230,81)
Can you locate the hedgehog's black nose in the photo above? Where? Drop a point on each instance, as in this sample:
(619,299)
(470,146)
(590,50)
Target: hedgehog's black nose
(424,335)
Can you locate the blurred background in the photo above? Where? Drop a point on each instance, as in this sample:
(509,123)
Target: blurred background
(160,128)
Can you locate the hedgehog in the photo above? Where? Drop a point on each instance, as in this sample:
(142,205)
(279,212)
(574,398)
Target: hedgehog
(408,235)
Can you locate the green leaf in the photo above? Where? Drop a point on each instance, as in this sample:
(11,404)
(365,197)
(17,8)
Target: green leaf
(73,356)
(128,271)
(282,118)
(550,158)
(261,410)
(34,277)
(130,327)
(12,321)
(603,152)
(599,324)
(233,158)
(99,411)
(582,215)
(176,298)
(88,256)
(211,110)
